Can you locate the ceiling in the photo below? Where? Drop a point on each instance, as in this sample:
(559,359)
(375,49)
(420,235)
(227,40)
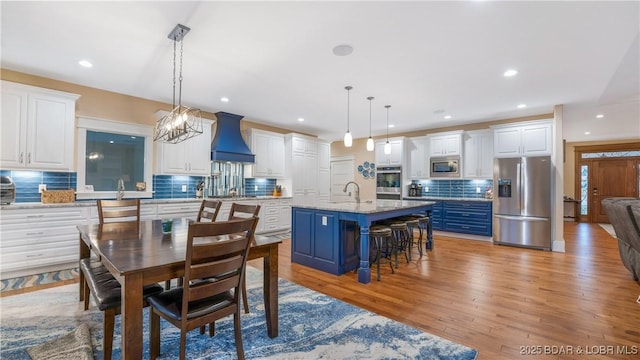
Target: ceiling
(274,60)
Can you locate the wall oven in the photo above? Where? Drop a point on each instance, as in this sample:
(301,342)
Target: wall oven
(445,166)
(389,183)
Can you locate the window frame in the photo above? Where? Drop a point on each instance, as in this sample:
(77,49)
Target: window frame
(116,127)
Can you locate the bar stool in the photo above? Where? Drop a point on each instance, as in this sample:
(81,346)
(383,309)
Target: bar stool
(401,238)
(413,223)
(381,235)
(425,228)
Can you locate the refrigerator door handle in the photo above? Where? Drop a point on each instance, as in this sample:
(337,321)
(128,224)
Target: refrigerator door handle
(521,218)
(520,187)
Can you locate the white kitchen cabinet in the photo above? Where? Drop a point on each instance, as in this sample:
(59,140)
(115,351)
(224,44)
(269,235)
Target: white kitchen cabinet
(523,139)
(445,144)
(187,209)
(37,128)
(269,150)
(395,158)
(478,154)
(418,158)
(38,240)
(302,168)
(190,157)
(324,171)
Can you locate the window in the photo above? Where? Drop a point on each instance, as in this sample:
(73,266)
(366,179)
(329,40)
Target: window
(109,151)
(584,189)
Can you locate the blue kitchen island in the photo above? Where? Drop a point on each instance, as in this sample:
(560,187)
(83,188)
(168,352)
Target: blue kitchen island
(324,236)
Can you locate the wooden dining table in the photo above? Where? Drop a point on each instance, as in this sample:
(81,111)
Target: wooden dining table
(143,255)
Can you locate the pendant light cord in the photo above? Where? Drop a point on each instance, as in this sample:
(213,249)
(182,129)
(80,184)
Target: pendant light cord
(348,91)
(370,98)
(387,106)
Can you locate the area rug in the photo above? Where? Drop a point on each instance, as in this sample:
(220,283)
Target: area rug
(609,228)
(76,345)
(312,326)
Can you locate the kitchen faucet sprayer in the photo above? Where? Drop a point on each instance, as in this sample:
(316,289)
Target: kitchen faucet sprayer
(357,190)
(120,193)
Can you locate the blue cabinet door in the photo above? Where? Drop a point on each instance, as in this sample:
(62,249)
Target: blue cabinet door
(315,240)
(302,233)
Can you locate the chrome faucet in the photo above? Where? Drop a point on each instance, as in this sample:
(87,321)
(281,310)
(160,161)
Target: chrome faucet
(357,190)
(120,193)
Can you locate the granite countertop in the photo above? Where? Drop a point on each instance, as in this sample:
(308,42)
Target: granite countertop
(427,198)
(367,207)
(87,203)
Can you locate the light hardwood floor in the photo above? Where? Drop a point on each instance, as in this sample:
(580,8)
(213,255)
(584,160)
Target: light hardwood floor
(504,300)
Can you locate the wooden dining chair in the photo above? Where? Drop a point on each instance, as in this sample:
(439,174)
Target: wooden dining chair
(104,288)
(113,211)
(215,262)
(119,210)
(242,211)
(209,210)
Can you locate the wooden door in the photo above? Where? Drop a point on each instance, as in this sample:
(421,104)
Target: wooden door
(611,178)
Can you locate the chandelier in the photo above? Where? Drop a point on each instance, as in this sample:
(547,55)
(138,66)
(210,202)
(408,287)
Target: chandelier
(183,122)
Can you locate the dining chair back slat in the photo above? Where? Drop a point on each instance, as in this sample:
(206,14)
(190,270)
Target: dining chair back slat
(243,211)
(119,210)
(209,210)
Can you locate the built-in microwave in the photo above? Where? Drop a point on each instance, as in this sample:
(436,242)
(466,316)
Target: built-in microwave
(445,166)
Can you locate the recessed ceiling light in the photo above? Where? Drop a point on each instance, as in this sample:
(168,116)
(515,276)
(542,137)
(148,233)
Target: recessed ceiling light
(510,73)
(300,119)
(224,99)
(587,132)
(447,117)
(599,116)
(522,106)
(110,141)
(85,63)
(391,125)
(133,137)
(342,50)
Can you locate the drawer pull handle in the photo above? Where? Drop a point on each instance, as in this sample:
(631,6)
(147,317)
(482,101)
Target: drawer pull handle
(35,216)
(465,227)
(34,255)
(465,214)
(35,233)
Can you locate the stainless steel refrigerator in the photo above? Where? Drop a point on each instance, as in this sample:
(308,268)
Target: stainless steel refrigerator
(522,202)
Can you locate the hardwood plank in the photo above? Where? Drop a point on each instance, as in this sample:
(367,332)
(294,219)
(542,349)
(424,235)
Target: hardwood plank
(498,299)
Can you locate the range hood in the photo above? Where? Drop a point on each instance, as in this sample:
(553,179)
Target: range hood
(227,144)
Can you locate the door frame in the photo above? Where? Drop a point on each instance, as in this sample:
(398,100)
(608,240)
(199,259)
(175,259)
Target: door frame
(335,159)
(579,161)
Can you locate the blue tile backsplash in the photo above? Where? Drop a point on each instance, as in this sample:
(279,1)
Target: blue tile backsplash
(259,187)
(455,188)
(164,186)
(27,182)
(170,187)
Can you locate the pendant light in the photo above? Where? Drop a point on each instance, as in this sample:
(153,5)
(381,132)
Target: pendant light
(348,140)
(387,146)
(370,145)
(183,122)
